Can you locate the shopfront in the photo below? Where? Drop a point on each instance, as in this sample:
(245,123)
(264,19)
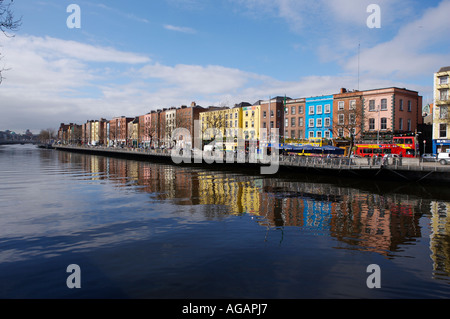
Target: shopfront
(441,146)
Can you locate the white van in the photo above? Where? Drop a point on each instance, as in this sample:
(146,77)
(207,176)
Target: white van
(444,158)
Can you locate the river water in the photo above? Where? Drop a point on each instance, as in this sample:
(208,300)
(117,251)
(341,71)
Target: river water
(137,229)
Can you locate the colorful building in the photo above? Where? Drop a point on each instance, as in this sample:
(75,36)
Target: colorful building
(250,122)
(348,114)
(294,120)
(272,117)
(319,117)
(441,119)
(390,111)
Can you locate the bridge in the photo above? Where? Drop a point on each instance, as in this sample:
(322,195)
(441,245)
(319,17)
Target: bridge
(13,142)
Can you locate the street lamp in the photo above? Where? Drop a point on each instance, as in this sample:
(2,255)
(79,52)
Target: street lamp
(379,124)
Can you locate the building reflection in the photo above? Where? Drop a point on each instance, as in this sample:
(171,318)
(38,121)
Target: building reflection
(357,219)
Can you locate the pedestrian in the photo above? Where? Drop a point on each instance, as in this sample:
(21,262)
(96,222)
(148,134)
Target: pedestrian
(400,159)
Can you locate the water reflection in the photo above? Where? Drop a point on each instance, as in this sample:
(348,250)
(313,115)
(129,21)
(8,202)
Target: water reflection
(356,218)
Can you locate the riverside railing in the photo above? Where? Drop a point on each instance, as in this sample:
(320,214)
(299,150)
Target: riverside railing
(322,162)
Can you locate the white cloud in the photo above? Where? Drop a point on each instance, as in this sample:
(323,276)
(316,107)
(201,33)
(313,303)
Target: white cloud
(420,47)
(179,29)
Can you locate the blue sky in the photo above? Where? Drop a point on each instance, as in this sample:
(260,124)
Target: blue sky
(130,57)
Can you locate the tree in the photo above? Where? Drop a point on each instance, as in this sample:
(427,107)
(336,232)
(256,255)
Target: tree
(349,122)
(45,136)
(7,23)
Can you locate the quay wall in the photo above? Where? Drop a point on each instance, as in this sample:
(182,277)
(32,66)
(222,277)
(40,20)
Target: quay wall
(410,169)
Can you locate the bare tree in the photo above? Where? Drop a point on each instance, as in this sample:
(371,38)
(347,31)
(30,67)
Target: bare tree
(213,126)
(46,136)
(7,23)
(349,124)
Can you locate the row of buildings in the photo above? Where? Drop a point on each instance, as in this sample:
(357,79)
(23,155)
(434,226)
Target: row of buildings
(350,114)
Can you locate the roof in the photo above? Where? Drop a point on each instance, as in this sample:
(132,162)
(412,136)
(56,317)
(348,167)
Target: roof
(444,69)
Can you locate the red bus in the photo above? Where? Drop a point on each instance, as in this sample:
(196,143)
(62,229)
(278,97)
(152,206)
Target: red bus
(370,150)
(405,145)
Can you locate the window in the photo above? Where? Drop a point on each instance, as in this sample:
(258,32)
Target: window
(271,113)
(235,115)
(340,105)
(443,95)
(352,104)
(319,109)
(235,123)
(311,134)
(383,104)
(300,109)
(383,123)
(371,124)
(311,122)
(264,125)
(341,119)
(293,121)
(292,134)
(442,130)
(372,105)
(278,113)
(401,104)
(327,134)
(246,113)
(443,112)
(400,124)
(311,109)
(341,132)
(327,122)
(327,108)
(409,125)
(264,114)
(319,134)
(443,80)
(246,124)
(352,119)
(271,124)
(300,121)
(319,123)
(300,133)
(409,106)
(292,110)
(286,122)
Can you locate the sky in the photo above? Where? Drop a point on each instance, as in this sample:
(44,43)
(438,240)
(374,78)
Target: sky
(126,58)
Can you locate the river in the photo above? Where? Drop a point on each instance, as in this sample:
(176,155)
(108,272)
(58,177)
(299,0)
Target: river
(138,229)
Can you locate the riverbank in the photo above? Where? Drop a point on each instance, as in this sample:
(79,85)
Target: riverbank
(408,170)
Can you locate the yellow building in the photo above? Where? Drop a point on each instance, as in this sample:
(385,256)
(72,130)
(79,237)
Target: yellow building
(95,132)
(251,122)
(441,118)
(133,133)
(213,124)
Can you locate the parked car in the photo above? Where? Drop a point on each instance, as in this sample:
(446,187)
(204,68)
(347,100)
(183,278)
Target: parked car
(429,157)
(444,158)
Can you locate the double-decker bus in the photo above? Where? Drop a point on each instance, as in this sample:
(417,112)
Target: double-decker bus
(404,145)
(407,143)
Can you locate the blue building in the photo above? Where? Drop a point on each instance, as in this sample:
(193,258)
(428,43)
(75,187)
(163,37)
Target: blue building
(319,117)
